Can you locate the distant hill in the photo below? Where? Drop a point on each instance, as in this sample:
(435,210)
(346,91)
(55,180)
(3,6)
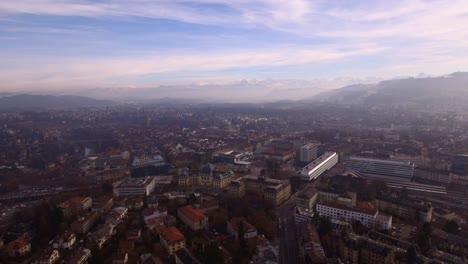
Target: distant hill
(43,102)
(447,92)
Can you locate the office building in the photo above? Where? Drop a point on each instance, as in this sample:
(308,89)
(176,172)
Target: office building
(135,187)
(381,169)
(320,165)
(308,152)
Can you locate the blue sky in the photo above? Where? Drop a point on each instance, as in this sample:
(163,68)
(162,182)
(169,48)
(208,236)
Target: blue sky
(62,44)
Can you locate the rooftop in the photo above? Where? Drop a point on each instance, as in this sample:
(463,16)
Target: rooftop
(172,235)
(360,209)
(193,214)
(18,243)
(135,182)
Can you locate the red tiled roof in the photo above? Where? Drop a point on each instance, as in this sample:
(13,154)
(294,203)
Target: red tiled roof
(159,229)
(172,235)
(193,214)
(126,245)
(18,243)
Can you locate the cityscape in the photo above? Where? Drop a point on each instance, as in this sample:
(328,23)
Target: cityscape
(233,184)
(233,132)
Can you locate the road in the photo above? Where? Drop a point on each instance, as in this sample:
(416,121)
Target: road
(289,249)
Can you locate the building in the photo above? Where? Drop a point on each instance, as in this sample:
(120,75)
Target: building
(206,176)
(103,204)
(333,196)
(64,241)
(49,256)
(193,218)
(147,165)
(432,176)
(135,187)
(232,157)
(102,235)
(172,240)
(407,208)
(308,152)
(105,168)
(348,214)
(78,256)
(277,194)
(365,213)
(381,169)
(459,164)
(75,206)
(84,223)
(383,222)
(307,199)
(222,180)
(233,226)
(320,165)
(236,189)
(120,258)
(19,247)
(271,190)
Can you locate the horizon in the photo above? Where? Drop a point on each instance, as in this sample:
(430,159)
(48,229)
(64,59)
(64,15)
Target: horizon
(75,45)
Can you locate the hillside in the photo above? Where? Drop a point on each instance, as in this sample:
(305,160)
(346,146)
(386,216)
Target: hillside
(44,102)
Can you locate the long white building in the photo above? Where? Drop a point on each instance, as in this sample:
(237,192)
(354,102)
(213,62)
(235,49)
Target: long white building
(384,169)
(369,217)
(135,187)
(320,165)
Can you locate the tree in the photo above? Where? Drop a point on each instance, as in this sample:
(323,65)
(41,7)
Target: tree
(451,227)
(241,235)
(423,238)
(295,183)
(213,255)
(325,226)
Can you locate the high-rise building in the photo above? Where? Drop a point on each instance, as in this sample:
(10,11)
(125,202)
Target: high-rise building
(308,152)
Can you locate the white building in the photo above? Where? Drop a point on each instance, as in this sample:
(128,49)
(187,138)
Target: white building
(368,216)
(308,152)
(320,165)
(135,187)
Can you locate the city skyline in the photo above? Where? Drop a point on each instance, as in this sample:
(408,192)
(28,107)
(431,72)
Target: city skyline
(50,45)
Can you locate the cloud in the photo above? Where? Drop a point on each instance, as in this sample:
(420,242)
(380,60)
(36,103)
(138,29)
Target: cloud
(407,35)
(60,71)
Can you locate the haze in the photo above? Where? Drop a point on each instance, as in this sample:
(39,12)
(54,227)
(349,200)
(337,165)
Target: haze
(69,47)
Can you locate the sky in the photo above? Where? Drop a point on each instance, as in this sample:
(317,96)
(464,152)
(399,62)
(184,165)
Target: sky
(65,44)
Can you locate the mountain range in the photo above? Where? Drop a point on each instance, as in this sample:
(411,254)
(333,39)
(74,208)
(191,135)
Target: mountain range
(450,91)
(422,92)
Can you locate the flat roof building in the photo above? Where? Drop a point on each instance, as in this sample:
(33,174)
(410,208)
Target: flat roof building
(320,165)
(135,187)
(381,169)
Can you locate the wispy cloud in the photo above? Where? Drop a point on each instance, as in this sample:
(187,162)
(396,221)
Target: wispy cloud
(379,37)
